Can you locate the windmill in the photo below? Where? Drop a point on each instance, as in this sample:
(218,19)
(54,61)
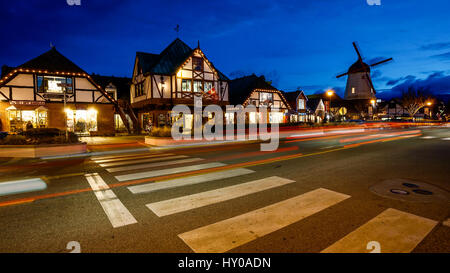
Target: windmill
(359,82)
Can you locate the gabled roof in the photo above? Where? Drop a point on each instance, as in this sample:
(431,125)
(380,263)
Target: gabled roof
(291,97)
(241,88)
(121,83)
(52,61)
(169,60)
(313,102)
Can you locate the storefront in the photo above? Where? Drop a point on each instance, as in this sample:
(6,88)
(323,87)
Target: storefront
(20,117)
(82,121)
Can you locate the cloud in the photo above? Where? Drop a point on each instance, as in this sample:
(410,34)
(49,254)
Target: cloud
(435,46)
(443,56)
(408,78)
(376,74)
(436,83)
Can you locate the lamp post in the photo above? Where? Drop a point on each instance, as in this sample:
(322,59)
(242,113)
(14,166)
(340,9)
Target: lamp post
(373,102)
(429,103)
(330,94)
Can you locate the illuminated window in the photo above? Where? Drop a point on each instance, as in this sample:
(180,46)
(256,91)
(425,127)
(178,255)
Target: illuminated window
(139,89)
(186,86)
(265,98)
(301,104)
(82,121)
(353,90)
(198,86)
(52,84)
(208,86)
(197,63)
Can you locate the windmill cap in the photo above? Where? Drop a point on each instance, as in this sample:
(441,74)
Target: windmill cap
(359,66)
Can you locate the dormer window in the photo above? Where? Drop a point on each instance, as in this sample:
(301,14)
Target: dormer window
(197,63)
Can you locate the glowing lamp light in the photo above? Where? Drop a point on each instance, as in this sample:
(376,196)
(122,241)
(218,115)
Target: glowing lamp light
(429,103)
(330,93)
(372,101)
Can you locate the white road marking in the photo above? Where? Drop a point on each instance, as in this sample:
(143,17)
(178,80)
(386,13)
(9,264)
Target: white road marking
(140,160)
(117,213)
(152,165)
(126,157)
(428,137)
(396,231)
(233,232)
(328,147)
(22,186)
(149,174)
(447,138)
(180,182)
(202,199)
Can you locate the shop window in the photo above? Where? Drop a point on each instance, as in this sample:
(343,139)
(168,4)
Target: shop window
(275,117)
(82,121)
(19,119)
(229,118)
(50,84)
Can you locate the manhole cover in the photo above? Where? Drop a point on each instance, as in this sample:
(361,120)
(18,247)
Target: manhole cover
(410,185)
(397,191)
(411,191)
(424,192)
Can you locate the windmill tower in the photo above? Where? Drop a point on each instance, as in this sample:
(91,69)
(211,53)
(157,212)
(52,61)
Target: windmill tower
(359,83)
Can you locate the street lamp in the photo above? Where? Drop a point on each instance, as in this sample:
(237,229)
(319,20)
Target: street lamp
(373,101)
(330,94)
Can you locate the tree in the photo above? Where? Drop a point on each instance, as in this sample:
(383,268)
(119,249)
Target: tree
(414,99)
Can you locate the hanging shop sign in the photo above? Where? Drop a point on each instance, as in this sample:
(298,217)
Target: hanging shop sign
(26,102)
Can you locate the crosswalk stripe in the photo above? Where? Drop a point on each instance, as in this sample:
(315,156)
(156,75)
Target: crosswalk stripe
(151,165)
(233,232)
(146,160)
(428,137)
(127,157)
(116,212)
(180,182)
(447,138)
(202,199)
(395,231)
(149,174)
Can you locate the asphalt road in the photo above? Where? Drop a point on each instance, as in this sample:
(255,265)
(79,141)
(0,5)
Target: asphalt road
(312,195)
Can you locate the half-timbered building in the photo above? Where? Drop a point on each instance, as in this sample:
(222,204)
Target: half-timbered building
(34,93)
(254,90)
(175,76)
(299,111)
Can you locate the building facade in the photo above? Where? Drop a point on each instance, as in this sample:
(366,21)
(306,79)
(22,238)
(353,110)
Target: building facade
(254,90)
(33,93)
(175,76)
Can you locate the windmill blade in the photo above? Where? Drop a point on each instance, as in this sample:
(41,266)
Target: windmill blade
(341,75)
(370,83)
(357,50)
(381,62)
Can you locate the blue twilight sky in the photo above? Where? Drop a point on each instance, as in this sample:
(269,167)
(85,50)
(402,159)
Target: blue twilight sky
(302,43)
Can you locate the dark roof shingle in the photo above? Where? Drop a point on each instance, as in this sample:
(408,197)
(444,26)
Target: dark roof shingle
(169,60)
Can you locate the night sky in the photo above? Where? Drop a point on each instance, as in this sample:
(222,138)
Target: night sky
(293,43)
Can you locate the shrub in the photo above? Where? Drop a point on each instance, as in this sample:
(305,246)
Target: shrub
(14,140)
(161,132)
(42,132)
